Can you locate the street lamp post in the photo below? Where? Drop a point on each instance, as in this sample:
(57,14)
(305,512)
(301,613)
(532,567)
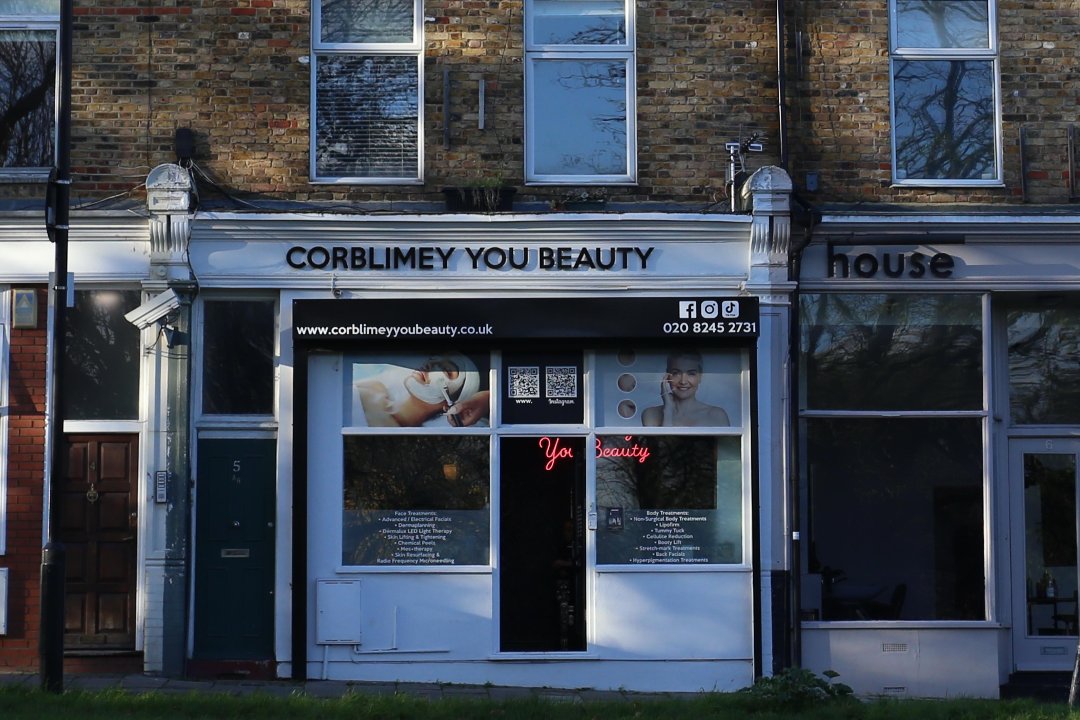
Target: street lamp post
(51,637)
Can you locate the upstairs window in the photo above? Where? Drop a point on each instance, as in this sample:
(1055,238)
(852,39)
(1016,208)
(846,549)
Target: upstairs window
(945,117)
(580,85)
(28,52)
(367,81)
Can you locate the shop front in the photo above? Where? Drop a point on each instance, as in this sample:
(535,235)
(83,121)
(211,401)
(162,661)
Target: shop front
(938,419)
(522,450)
(572,486)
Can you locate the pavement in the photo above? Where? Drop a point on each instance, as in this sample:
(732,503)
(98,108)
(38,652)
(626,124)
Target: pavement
(137,683)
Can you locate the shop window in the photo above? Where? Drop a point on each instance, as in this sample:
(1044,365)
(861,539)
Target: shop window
(1044,362)
(668,500)
(896,518)
(421,429)
(28,52)
(894,505)
(416,500)
(945,119)
(580,86)
(238,357)
(892,352)
(102,354)
(366,87)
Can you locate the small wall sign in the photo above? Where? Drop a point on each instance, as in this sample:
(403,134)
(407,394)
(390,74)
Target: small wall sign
(24,308)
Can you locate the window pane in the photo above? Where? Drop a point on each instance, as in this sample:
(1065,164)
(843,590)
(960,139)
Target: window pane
(579,111)
(891,352)
(668,500)
(942,24)
(30,7)
(578,22)
(1050,542)
(896,518)
(101,367)
(367,110)
(416,500)
(367,21)
(679,387)
(1044,362)
(27,79)
(238,358)
(944,119)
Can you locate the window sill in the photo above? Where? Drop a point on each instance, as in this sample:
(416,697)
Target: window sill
(14,177)
(945,184)
(901,625)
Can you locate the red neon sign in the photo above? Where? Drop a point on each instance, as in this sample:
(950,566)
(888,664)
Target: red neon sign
(554,452)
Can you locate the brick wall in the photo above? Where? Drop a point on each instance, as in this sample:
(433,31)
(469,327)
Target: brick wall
(840,118)
(706,74)
(25,470)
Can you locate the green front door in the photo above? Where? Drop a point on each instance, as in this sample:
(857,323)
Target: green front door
(234,550)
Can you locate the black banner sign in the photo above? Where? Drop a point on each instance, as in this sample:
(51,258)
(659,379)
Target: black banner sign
(499,320)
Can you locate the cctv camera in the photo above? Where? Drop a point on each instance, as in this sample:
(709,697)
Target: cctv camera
(153,309)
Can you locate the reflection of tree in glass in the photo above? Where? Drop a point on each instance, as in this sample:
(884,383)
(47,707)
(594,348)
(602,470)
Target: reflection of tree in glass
(408,473)
(101,356)
(367,115)
(356,21)
(944,118)
(416,473)
(888,352)
(27,76)
(680,473)
(937,24)
(605,81)
(1044,362)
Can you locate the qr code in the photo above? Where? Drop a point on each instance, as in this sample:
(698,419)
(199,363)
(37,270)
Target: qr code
(561,381)
(524,382)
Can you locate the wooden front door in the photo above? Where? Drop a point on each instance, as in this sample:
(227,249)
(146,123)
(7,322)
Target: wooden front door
(98,529)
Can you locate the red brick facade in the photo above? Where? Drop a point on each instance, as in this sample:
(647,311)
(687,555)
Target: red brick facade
(25,472)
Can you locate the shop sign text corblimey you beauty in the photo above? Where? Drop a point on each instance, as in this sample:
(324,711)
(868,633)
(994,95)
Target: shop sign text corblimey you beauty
(431,257)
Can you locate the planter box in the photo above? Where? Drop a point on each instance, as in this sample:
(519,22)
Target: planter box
(479,199)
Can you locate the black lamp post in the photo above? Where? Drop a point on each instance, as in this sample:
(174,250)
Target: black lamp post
(51,638)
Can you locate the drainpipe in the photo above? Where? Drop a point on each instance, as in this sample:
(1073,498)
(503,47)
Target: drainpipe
(794,513)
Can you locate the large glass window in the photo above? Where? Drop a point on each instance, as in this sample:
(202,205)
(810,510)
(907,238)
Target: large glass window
(944,92)
(238,357)
(893,416)
(661,429)
(28,47)
(581,91)
(102,353)
(366,90)
(1044,361)
(892,352)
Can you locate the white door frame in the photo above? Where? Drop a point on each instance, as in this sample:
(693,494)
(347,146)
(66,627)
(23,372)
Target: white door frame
(1051,652)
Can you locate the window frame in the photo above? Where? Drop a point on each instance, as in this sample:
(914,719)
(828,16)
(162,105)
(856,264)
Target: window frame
(625,52)
(321,49)
(982,415)
(211,422)
(989,54)
(42,22)
(590,428)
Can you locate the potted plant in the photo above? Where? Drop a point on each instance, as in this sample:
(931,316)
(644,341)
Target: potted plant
(484,195)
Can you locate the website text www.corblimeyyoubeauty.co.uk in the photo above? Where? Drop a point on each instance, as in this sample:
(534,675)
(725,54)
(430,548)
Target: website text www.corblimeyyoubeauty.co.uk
(393,331)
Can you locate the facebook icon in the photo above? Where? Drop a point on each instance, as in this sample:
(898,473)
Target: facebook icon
(687,309)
